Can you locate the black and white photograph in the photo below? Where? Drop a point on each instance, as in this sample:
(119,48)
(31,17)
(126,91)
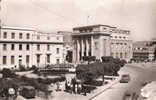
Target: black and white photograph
(77,49)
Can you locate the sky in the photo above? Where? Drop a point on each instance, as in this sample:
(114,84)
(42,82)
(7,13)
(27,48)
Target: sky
(138,16)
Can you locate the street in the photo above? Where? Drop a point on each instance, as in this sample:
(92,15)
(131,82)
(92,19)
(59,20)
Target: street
(139,73)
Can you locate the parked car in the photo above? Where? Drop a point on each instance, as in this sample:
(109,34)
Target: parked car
(28,92)
(125,78)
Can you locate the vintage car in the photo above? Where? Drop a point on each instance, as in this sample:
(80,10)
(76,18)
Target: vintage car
(28,92)
(125,78)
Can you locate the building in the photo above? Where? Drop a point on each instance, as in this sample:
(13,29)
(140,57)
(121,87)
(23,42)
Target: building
(26,46)
(68,45)
(101,40)
(143,51)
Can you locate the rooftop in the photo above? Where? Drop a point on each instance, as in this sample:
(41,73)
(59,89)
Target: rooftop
(18,28)
(89,26)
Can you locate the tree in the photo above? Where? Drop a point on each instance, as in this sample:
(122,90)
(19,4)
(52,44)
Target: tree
(7,73)
(155,54)
(69,56)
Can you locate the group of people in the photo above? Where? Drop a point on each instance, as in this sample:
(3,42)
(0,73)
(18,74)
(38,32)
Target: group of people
(74,87)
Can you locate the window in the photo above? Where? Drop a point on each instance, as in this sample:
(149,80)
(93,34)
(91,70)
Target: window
(112,54)
(28,36)
(20,46)
(48,47)
(48,38)
(121,55)
(38,47)
(57,61)
(38,58)
(5,35)
(104,28)
(27,59)
(12,47)
(4,47)
(96,45)
(57,50)
(48,58)
(13,35)
(115,36)
(20,36)
(27,47)
(125,55)
(57,37)
(4,60)
(38,37)
(117,55)
(12,60)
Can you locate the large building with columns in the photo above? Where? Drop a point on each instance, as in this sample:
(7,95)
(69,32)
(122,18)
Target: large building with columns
(101,40)
(26,46)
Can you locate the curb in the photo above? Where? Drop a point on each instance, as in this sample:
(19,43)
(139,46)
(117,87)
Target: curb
(105,88)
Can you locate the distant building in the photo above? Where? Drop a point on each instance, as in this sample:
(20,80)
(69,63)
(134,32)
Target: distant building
(143,50)
(101,40)
(25,46)
(68,45)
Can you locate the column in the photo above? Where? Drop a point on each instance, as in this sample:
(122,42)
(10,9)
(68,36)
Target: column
(87,47)
(92,46)
(82,48)
(77,50)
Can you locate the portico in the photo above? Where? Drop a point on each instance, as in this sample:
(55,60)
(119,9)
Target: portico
(90,44)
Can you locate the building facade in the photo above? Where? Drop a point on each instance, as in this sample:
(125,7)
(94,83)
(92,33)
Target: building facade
(143,51)
(101,40)
(25,46)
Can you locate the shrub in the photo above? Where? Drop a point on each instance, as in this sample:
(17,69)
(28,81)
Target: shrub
(22,68)
(7,73)
(33,67)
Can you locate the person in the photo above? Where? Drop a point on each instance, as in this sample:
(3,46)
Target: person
(73,82)
(84,90)
(79,88)
(66,86)
(58,86)
(76,88)
(71,88)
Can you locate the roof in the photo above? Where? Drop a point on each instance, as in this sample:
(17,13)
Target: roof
(82,34)
(89,26)
(18,28)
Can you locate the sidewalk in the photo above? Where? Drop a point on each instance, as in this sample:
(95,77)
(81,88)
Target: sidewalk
(67,96)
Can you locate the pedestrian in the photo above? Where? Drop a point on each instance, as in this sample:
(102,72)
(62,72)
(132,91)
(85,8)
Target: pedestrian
(71,88)
(84,90)
(66,86)
(76,88)
(79,88)
(58,86)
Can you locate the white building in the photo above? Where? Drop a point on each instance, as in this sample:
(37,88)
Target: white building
(25,46)
(101,40)
(121,44)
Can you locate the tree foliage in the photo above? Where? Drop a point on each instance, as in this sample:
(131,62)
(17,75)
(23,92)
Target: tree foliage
(109,66)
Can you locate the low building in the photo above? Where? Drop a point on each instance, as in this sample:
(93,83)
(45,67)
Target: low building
(101,40)
(26,46)
(143,51)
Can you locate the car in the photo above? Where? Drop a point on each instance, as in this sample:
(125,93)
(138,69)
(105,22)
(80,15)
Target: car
(125,78)
(28,92)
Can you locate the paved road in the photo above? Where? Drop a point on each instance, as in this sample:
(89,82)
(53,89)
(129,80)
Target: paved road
(139,73)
